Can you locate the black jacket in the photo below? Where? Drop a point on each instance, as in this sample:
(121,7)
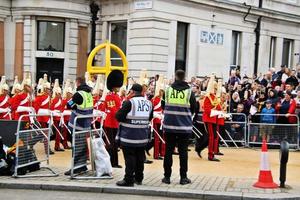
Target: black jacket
(182,85)
(125,109)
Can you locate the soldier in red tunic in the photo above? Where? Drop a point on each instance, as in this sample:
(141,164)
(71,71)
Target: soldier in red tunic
(210,104)
(41,105)
(159,146)
(56,107)
(4,103)
(112,103)
(15,91)
(22,103)
(66,116)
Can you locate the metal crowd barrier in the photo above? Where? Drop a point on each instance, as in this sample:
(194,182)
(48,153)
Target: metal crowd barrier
(274,133)
(82,153)
(33,147)
(229,135)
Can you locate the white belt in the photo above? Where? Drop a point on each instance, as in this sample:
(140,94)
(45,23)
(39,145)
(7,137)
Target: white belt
(25,109)
(67,112)
(43,111)
(56,113)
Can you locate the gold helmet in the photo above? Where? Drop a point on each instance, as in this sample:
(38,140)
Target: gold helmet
(160,85)
(211,85)
(143,80)
(56,88)
(99,84)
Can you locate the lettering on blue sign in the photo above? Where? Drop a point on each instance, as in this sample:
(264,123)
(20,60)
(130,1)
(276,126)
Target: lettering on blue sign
(212,38)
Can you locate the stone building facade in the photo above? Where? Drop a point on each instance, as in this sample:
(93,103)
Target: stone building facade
(199,36)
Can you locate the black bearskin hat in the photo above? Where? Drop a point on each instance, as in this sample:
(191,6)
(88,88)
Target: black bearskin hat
(115,79)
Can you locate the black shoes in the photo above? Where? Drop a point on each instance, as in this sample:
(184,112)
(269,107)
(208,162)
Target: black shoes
(219,154)
(123,183)
(214,159)
(117,166)
(184,181)
(51,152)
(138,182)
(166,180)
(199,154)
(59,149)
(159,158)
(148,161)
(76,171)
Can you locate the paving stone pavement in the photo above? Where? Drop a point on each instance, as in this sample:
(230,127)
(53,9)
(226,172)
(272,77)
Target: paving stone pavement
(202,186)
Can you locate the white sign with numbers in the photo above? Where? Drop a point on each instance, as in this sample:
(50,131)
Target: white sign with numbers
(49,54)
(143,4)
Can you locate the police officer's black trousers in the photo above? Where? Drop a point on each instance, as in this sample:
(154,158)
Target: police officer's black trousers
(134,163)
(182,141)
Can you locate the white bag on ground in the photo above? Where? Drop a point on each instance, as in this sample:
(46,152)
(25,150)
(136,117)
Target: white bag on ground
(102,158)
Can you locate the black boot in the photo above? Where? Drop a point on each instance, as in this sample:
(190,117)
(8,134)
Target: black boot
(123,183)
(166,180)
(184,181)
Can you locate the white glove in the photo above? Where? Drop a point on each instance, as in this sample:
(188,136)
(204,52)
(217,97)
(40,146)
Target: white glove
(56,113)
(157,115)
(215,113)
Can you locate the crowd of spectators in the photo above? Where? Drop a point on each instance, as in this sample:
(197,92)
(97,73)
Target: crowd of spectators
(273,97)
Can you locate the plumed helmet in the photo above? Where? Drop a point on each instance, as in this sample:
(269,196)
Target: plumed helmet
(211,85)
(46,85)
(115,79)
(27,82)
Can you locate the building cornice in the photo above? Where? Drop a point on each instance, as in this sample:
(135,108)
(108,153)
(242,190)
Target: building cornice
(241,8)
(55,12)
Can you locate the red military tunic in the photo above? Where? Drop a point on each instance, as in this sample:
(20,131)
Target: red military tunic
(110,106)
(157,110)
(208,105)
(21,99)
(159,147)
(56,106)
(65,110)
(41,105)
(5,104)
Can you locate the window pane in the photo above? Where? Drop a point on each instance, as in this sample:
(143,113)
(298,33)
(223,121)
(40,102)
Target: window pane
(51,36)
(119,38)
(181,45)
(234,47)
(286,52)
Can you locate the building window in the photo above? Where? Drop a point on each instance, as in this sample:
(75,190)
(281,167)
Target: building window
(50,36)
(181,46)
(287,52)
(235,48)
(118,37)
(272,52)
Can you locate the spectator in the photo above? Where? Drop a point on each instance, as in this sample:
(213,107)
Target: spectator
(273,97)
(292,79)
(233,80)
(281,72)
(286,107)
(267,117)
(234,102)
(237,129)
(274,75)
(285,74)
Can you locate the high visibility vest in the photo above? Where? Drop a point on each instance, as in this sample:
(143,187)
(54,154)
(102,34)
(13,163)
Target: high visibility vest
(177,112)
(85,108)
(134,131)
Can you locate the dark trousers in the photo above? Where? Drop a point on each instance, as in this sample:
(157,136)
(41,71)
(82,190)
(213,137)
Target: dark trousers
(112,148)
(80,150)
(134,163)
(182,140)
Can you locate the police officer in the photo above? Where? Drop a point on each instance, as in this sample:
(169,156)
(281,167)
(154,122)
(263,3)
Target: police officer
(133,135)
(81,104)
(179,105)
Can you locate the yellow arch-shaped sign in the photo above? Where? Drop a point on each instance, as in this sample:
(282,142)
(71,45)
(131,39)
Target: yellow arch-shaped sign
(107,68)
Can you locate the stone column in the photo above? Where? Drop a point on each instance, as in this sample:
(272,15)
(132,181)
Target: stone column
(73,49)
(82,49)
(19,49)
